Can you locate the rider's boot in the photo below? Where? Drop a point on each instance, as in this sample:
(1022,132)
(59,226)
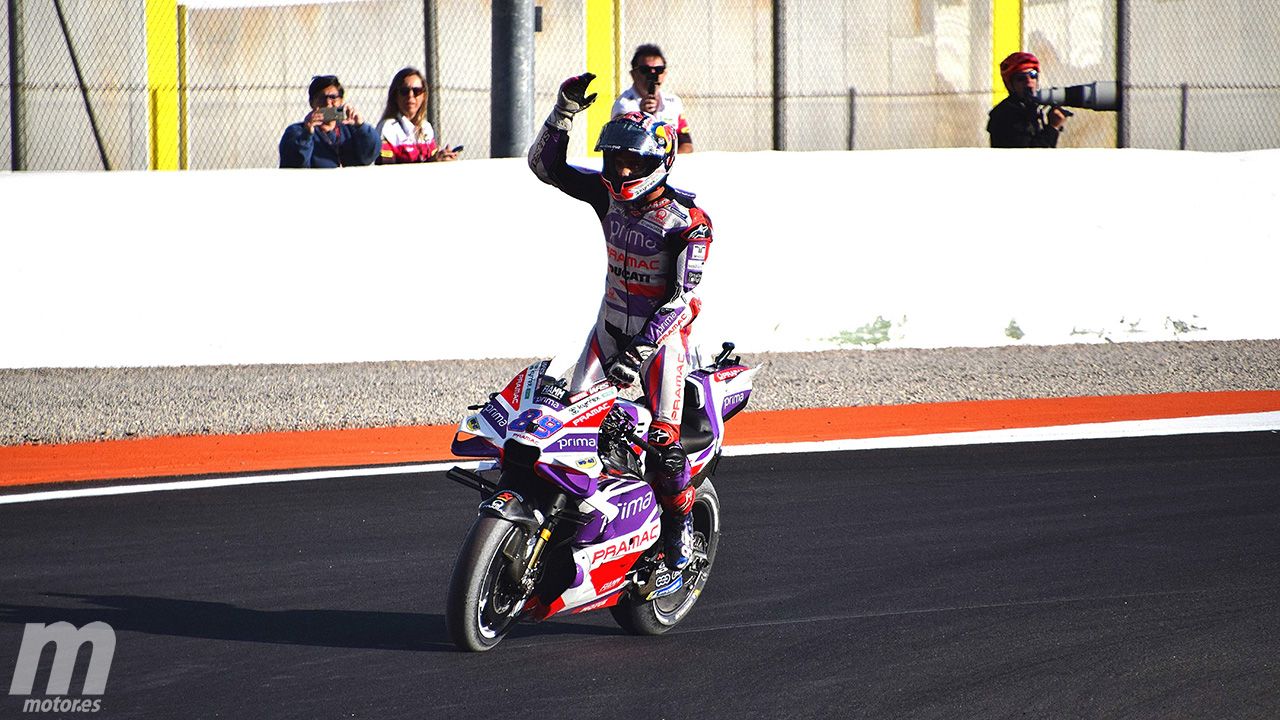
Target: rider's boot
(677,538)
(675,494)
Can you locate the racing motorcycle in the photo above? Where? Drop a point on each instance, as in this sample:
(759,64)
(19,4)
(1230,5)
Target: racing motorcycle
(570,524)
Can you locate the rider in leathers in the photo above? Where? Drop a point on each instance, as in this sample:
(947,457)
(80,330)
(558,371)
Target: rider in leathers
(657,241)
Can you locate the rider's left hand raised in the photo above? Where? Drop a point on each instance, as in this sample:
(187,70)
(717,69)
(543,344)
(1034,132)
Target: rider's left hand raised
(571,100)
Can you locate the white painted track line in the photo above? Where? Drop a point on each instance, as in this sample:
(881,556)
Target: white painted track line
(1247,422)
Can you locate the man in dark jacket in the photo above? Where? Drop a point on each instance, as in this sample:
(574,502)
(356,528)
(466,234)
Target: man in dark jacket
(331,135)
(1017,122)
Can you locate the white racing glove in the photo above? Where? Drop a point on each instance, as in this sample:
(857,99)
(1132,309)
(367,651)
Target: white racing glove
(625,370)
(571,100)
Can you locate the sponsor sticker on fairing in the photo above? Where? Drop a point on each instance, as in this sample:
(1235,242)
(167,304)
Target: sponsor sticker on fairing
(553,392)
(635,505)
(667,589)
(588,417)
(574,443)
(500,500)
(511,393)
(595,605)
(729,374)
(548,402)
(496,417)
(612,584)
(531,381)
(623,546)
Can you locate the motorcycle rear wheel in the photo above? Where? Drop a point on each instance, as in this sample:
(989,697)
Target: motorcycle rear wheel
(654,617)
(483,601)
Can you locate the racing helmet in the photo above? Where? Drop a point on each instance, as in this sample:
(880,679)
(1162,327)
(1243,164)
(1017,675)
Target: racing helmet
(645,135)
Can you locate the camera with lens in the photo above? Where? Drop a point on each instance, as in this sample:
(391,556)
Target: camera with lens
(1099,95)
(651,73)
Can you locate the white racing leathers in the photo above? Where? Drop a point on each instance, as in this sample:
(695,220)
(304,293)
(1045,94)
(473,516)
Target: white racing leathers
(656,252)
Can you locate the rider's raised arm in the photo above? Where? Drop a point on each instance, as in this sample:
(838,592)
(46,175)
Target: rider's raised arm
(547,154)
(683,305)
(547,160)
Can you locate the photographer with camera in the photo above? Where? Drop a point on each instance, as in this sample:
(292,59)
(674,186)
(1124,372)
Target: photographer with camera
(331,135)
(1017,121)
(648,71)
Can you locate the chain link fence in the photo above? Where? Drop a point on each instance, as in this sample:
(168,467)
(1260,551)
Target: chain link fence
(94,84)
(1204,74)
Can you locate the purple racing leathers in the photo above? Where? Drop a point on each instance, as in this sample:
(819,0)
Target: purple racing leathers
(656,250)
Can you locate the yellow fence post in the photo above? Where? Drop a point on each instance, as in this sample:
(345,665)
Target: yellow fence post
(162,82)
(184,136)
(603,28)
(1006,38)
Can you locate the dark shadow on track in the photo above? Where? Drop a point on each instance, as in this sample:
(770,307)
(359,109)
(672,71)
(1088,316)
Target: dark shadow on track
(419,632)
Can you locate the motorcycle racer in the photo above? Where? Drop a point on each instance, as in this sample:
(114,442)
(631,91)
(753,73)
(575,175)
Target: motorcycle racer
(657,241)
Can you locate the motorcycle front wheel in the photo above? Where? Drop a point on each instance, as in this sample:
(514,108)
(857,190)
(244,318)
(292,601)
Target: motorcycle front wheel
(654,617)
(484,600)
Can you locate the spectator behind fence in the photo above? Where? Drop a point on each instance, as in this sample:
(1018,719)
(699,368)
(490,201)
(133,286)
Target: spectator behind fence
(407,136)
(648,72)
(331,135)
(1018,121)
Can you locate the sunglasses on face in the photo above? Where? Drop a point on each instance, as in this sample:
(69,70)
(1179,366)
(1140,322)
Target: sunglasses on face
(407,90)
(1029,74)
(651,69)
(331,96)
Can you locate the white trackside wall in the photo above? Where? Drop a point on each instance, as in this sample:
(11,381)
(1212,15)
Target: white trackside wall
(925,248)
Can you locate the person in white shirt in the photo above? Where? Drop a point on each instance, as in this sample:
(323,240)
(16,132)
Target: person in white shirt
(407,136)
(648,72)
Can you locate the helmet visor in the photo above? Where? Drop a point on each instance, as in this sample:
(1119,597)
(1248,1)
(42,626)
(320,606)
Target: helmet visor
(628,136)
(640,166)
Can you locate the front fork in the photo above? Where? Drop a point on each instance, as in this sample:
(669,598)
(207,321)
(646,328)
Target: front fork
(530,504)
(525,572)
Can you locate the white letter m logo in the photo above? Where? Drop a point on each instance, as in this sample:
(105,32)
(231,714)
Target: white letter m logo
(67,641)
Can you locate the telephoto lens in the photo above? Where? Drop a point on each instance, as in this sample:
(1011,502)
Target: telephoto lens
(1100,95)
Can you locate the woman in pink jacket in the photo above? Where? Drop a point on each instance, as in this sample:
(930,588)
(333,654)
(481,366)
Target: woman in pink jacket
(406,135)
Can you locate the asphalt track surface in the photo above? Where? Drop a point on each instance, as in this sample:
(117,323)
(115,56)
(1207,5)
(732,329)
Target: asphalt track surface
(1100,578)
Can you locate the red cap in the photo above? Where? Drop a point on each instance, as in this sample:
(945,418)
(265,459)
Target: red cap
(1017,63)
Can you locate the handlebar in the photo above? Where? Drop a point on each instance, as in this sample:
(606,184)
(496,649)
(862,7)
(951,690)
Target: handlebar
(641,442)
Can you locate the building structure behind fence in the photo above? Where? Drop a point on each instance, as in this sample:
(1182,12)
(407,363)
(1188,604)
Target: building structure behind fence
(137,84)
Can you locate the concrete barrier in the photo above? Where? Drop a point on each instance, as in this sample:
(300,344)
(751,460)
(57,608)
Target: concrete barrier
(928,248)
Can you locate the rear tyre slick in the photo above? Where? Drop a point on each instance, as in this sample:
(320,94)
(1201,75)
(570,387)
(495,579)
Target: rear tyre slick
(640,617)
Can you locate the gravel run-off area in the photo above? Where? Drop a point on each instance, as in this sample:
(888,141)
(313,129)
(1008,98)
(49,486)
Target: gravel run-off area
(84,404)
